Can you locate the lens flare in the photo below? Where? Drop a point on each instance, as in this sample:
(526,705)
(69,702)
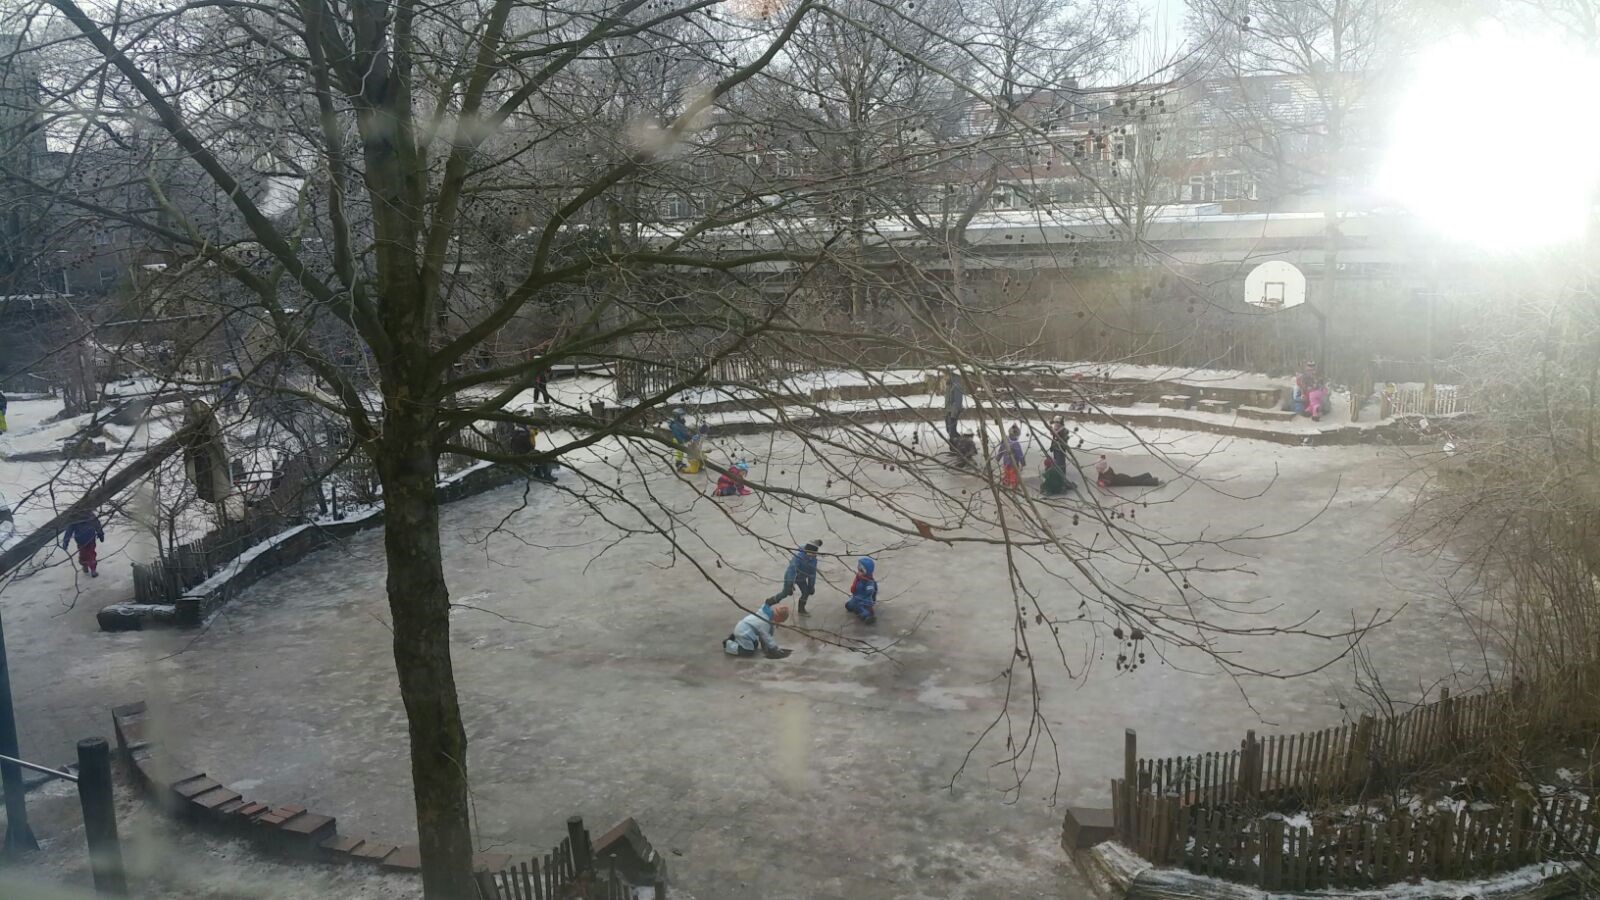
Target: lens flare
(1495,141)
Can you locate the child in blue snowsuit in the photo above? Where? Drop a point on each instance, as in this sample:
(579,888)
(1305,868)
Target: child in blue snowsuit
(864,592)
(802,573)
(679,427)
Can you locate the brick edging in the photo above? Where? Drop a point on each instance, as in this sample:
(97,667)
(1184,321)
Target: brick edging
(288,829)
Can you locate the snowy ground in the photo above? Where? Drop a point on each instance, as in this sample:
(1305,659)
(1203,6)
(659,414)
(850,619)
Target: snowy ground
(593,683)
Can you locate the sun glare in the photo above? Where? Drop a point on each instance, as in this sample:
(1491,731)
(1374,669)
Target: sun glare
(1497,141)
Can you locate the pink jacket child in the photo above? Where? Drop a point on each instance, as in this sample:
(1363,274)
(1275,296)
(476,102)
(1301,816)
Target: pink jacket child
(731,484)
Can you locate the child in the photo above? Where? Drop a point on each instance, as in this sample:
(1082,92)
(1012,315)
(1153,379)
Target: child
(1055,480)
(802,572)
(86,531)
(1058,443)
(864,592)
(1109,477)
(731,484)
(697,450)
(679,427)
(1012,458)
(755,632)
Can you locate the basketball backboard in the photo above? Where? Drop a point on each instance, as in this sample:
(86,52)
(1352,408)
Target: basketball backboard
(1275,285)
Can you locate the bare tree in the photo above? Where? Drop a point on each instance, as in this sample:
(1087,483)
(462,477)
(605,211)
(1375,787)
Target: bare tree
(1295,86)
(418,210)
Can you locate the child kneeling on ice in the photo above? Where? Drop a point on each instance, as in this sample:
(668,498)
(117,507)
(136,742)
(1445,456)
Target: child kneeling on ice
(864,592)
(755,632)
(731,484)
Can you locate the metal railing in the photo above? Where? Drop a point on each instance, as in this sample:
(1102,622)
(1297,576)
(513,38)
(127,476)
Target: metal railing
(99,811)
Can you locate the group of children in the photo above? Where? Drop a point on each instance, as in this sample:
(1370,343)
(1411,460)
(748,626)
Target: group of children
(1054,482)
(690,456)
(1310,396)
(757,632)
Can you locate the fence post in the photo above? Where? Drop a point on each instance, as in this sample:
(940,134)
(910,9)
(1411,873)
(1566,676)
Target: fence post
(1360,752)
(100,816)
(1448,712)
(1130,778)
(1271,852)
(1250,766)
(582,856)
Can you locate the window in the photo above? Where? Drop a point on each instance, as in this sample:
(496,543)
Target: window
(753,160)
(674,208)
(102,237)
(1281,93)
(783,164)
(1125,146)
(1002,199)
(1229,186)
(108,277)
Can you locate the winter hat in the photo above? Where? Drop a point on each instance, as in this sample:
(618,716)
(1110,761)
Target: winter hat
(813,546)
(866,563)
(742,466)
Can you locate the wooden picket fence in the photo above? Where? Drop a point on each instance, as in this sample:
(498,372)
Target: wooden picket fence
(1372,849)
(1165,808)
(568,872)
(1314,767)
(479,437)
(186,565)
(1440,400)
(645,378)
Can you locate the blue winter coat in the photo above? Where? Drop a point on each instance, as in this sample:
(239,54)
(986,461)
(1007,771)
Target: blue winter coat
(84,531)
(680,430)
(864,590)
(802,564)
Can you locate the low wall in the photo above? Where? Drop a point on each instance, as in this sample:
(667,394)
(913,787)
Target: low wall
(1120,873)
(284,549)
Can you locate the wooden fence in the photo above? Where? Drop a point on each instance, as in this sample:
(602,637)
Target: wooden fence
(642,378)
(570,871)
(186,565)
(1177,799)
(1369,850)
(1439,400)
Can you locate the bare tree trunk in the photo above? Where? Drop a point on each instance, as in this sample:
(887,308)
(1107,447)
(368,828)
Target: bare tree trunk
(419,602)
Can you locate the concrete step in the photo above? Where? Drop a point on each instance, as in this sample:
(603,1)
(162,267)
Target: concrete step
(1266,413)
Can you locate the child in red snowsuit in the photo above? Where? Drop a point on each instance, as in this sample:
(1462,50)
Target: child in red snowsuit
(731,484)
(86,531)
